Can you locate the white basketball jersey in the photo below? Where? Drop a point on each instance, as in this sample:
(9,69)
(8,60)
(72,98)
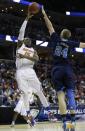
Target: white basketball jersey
(23,62)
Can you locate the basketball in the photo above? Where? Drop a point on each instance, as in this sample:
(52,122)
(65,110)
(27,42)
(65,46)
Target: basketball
(34,8)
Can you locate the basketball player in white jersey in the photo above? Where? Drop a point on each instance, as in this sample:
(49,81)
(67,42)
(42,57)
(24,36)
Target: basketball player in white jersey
(26,77)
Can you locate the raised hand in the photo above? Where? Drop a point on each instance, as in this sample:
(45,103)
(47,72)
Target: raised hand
(43,11)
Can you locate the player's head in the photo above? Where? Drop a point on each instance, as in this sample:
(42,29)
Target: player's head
(65,34)
(27,42)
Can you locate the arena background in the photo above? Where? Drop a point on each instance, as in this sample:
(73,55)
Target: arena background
(12,15)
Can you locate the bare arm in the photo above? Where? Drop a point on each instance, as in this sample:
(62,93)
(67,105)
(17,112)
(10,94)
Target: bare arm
(35,57)
(82,45)
(48,22)
(22,30)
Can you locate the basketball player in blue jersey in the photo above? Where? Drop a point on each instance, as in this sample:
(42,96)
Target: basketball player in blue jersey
(62,72)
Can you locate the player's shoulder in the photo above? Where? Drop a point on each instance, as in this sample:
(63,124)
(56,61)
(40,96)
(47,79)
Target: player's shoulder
(19,44)
(54,36)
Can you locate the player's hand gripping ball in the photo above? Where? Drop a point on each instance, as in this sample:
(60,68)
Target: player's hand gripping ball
(34,8)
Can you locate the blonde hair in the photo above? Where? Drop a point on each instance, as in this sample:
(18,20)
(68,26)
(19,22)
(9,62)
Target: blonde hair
(65,33)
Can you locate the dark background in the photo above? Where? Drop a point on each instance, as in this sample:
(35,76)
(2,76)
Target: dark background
(12,16)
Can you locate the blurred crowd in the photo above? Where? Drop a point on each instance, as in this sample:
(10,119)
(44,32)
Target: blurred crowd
(9,93)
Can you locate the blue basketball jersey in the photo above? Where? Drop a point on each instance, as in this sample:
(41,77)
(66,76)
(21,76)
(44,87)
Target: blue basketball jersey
(61,48)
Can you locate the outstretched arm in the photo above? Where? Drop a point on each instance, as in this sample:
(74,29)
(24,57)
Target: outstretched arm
(48,22)
(22,30)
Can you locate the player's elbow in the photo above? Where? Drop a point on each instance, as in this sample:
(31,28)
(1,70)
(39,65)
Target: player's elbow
(37,58)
